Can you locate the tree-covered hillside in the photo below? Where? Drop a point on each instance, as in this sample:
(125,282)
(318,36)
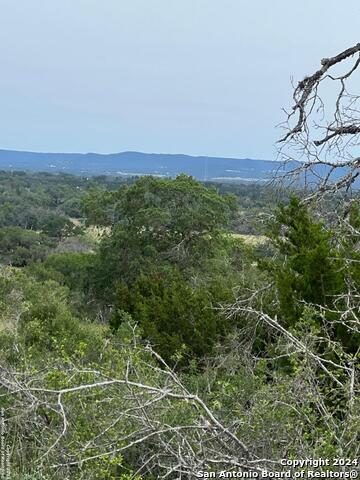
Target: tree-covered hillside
(142,338)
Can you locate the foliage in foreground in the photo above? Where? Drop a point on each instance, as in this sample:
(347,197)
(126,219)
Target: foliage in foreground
(84,403)
(207,356)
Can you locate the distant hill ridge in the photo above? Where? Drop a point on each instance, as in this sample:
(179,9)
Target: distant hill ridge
(160,164)
(137,163)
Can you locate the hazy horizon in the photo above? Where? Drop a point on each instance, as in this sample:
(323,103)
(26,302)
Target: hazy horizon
(132,151)
(159,76)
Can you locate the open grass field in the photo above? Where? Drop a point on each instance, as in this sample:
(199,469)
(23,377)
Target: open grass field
(250,239)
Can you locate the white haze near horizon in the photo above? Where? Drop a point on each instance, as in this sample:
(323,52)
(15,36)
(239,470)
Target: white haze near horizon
(200,77)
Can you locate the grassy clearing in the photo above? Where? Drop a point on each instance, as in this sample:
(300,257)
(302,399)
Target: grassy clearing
(250,239)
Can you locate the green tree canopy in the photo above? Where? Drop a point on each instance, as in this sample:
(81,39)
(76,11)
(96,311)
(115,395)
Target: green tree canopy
(157,221)
(306,268)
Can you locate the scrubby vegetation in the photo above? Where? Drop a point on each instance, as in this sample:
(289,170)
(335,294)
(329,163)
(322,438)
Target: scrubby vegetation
(165,345)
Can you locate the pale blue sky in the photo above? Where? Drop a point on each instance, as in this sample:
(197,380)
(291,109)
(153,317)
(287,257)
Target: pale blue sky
(202,77)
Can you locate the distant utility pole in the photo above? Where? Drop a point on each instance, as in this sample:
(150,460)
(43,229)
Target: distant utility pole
(205,169)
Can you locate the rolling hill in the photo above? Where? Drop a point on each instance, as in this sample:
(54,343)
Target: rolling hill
(136,163)
(163,165)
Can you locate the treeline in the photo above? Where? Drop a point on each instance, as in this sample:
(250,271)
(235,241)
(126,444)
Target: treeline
(28,200)
(32,200)
(42,212)
(167,345)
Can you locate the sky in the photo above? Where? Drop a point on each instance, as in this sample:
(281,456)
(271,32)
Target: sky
(199,77)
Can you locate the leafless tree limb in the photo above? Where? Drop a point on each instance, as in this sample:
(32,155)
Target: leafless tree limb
(322,103)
